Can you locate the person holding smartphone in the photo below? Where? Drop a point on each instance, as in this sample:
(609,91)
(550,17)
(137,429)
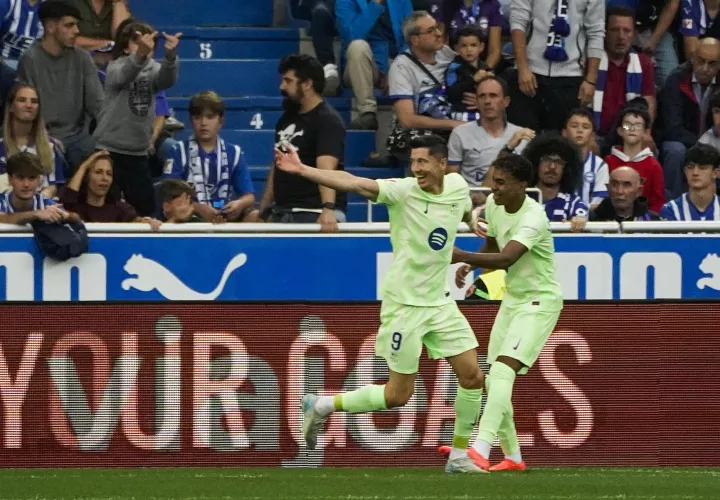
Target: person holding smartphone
(216,169)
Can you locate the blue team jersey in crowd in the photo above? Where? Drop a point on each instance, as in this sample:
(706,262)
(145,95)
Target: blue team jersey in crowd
(39,202)
(564,207)
(57,176)
(596,177)
(20,27)
(213,185)
(682,208)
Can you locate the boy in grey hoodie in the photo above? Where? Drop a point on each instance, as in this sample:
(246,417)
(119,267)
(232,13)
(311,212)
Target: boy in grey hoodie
(558,45)
(126,119)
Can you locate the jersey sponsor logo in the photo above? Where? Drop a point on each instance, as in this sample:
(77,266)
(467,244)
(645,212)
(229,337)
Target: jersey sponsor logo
(438,238)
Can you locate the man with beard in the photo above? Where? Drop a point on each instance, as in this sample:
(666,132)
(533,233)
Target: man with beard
(313,129)
(557,167)
(66,79)
(475,145)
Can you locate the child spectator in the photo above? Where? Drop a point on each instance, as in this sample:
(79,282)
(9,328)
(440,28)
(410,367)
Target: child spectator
(634,123)
(87,194)
(125,123)
(216,169)
(465,71)
(177,202)
(24,130)
(24,204)
(580,129)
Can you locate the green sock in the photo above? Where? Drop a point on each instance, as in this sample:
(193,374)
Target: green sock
(467,409)
(367,398)
(508,437)
(499,401)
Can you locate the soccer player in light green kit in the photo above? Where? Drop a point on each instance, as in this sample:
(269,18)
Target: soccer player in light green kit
(425,212)
(519,240)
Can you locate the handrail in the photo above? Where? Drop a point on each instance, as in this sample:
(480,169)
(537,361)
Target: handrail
(671,227)
(231,228)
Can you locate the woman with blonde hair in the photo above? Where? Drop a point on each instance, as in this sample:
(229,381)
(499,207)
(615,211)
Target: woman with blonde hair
(24,131)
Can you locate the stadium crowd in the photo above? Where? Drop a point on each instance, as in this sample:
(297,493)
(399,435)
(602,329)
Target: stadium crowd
(618,109)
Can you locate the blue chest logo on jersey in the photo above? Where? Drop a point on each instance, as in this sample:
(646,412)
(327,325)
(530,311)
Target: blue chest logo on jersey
(437,239)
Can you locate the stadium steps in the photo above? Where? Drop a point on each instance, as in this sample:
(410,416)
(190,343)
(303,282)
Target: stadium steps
(228,46)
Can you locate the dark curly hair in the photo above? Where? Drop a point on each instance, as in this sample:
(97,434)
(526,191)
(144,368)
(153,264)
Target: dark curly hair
(555,144)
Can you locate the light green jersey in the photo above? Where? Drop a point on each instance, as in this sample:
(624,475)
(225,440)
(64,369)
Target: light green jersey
(532,277)
(422,232)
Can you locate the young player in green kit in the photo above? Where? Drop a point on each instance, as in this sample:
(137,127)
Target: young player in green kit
(519,240)
(425,211)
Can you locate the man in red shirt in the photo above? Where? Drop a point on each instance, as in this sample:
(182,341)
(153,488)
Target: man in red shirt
(623,74)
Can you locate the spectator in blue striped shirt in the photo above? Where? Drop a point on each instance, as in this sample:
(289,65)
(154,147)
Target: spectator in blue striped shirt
(556,173)
(702,168)
(216,169)
(580,129)
(20,28)
(24,204)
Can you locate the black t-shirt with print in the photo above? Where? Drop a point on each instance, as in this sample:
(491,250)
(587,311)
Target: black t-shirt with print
(319,132)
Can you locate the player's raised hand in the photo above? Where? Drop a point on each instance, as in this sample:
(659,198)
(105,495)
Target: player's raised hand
(478,225)
(171,44)
(290,161)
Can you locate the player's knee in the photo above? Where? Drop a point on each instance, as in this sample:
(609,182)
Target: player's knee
(474,379)
(398,396)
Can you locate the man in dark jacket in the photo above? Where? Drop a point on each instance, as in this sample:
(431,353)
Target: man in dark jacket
(624,202)
(685,110)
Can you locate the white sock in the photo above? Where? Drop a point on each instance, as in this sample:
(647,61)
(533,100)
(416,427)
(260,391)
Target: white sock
(515,457)
(482,447)
(325,405)
(457,453)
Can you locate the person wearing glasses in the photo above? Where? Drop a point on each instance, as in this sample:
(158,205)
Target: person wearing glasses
(557,173)
(372,36)
(417,85)
(634,123)
(685,110)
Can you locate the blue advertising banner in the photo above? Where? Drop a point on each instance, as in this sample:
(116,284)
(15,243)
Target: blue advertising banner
(332,267)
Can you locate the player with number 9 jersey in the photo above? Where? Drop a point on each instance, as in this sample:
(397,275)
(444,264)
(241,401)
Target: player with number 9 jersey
(417,308)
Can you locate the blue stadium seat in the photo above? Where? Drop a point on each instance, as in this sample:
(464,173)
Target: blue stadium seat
(228,77)
(204,12)
(234,43)
(242,112)
(259,144)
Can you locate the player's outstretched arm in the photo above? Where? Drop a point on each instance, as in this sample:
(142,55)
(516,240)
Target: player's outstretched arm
(501,260)
(335,179)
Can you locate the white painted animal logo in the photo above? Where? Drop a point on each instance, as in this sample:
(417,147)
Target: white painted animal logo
(710,265)
(148,275)
(287,135)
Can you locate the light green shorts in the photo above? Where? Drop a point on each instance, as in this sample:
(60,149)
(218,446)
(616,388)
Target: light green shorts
(404,329)
(521,333)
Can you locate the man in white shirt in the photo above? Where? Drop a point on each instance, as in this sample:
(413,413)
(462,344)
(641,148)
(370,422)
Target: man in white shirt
(475,145)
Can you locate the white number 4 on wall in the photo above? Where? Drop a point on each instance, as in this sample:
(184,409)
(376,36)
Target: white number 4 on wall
(257,121)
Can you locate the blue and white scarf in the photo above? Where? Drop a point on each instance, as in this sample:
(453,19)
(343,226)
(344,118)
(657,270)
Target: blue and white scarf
(199,173)
(633,83)
(559,31)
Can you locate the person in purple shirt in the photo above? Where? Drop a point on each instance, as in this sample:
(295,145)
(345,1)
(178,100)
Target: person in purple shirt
(485,14)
